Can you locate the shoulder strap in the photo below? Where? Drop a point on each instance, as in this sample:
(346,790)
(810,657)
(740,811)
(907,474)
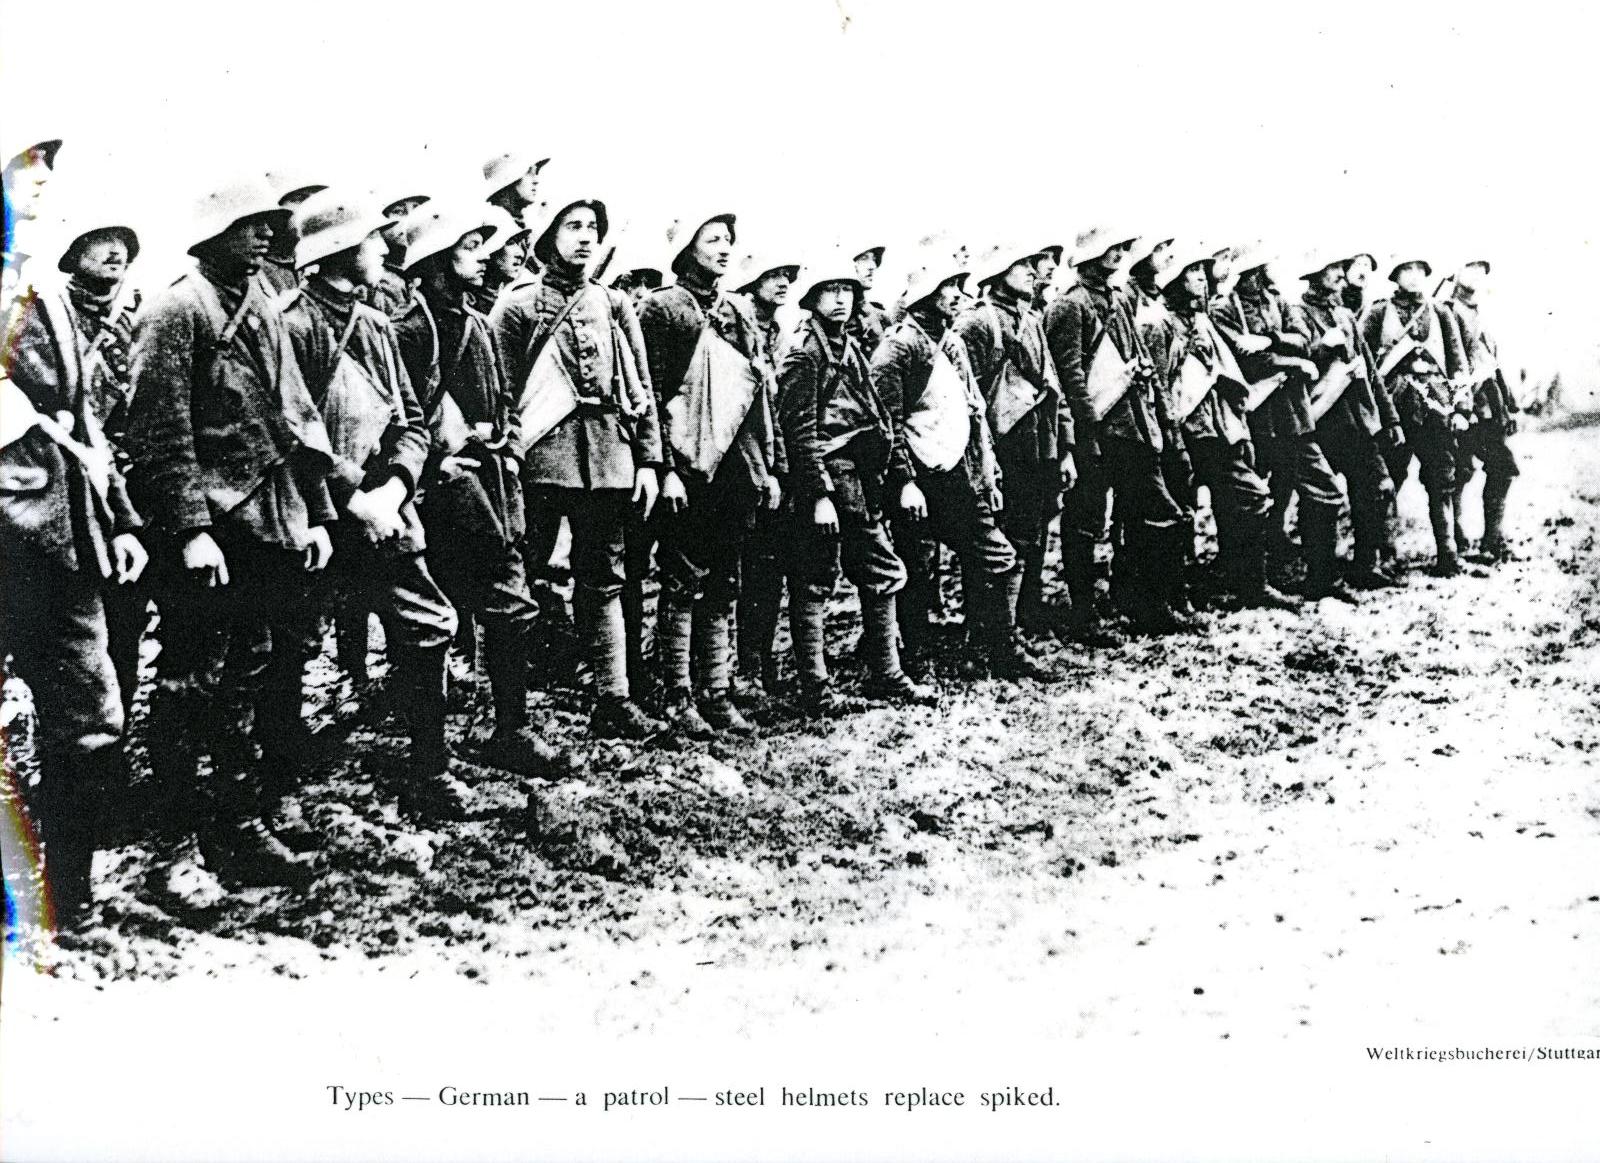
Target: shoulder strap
(536,347)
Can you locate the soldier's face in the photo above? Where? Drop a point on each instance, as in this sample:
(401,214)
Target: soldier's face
(1045,267)
(1113,259)
(369,259)
(713,247)
(400,209)
(103,258)
(836,302)
(245,244)
(1332,279)
(1221,266)
(1021,278)
(1358,270)
(25,180)
(867,268)
(526,188)
(773,290)
(510,258)
(578,236)
(1410,279)
(948,301)
(467,260)
(1195,281)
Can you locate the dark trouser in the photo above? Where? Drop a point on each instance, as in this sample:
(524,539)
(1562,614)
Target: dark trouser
(232,664)
(698,554)
(959,516)
(865,552)
(600,529)
(397,585)
(639,565)
(127,618)
(1356,456)
(484,578)
(1240,502)
(1435,447)
(1126,479)
(1485,443)
(761,587)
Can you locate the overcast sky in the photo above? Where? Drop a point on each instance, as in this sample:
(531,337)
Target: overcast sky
(1449,129)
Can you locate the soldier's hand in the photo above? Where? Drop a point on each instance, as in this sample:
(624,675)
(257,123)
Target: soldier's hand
(318,547)
(1069,471)
(1511,426)
(455,467)
(1254,344)
(1304,367)
(824,516)
(645,489)
(1396,437)
(203,557)
(774,494)
(131,558)
(674,496)
(378,510)
(912,502)
(1458,423)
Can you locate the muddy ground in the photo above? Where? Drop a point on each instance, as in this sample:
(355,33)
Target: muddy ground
(1291,822)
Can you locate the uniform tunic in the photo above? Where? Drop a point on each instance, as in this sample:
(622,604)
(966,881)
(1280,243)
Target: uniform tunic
(1423,384)
(1002,329)
(699,547)
(391,578)
(1494,408)
(840,439)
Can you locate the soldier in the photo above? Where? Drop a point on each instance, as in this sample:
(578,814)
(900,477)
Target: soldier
(841,443)
(1423,367)
(472,509)
(1048,263)
(1352,414)
(948,486)
(1494,416)
(279,268)
(637,282)
(1358,271)
(350,357)
(511,182)
(868,325)
(1257,321)
(1207,395)
(26,171)
(716,394)
(590,434)
(767,284)
(231,462)
(507,268)
(1122,429)
(97,313)
(393,293)
(1005,342)
(68,534)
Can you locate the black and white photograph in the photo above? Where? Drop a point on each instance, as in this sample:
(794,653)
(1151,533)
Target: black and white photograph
(819,579)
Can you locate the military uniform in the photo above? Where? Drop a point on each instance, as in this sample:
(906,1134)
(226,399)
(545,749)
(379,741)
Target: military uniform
(1349,434)
(62,502)
(473,521)
(842,443)
(1421,360)
(869,325)
(996,332)
(700,546)
(1282,429)
(327,326)
(226,440)
(963,499)
(761,561)
(1494,411)
(1119,455)
(585,466)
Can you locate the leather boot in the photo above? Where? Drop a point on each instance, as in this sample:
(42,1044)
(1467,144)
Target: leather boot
(1004,656)
(1318,536)
(428,790)
(515,746)
(351,631)
(674,630)
(1034,616)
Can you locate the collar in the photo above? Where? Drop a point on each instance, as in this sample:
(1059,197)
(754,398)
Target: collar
(564,277)
(338,303)
(700,283)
